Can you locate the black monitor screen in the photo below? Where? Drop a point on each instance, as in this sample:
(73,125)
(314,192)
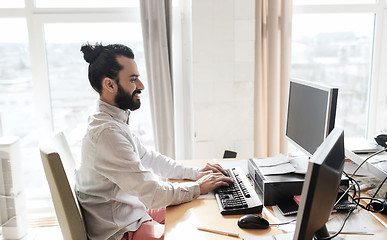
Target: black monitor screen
(320,188)
(311,114)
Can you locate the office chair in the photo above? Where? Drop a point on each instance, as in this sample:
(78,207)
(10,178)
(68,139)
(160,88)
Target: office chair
(59,177)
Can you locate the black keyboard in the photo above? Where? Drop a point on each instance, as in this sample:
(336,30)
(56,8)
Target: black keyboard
(239,197)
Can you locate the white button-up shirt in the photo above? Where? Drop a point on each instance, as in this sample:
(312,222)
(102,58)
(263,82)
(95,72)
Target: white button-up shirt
(119,179)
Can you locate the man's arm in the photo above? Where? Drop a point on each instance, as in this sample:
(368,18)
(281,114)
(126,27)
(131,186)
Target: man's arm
(163,165)
(118,162)
(169,168)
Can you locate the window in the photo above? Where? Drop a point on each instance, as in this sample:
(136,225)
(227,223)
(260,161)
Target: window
(339,45)
(85,3)
(15,75)
(331,2)
(17,105)
(382,113)
(72,97)
(11,4)
(44,82)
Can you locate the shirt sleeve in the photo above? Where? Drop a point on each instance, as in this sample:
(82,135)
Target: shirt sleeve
(163,165)
(119,162)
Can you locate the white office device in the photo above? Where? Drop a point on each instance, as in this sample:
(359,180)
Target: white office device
(12,201)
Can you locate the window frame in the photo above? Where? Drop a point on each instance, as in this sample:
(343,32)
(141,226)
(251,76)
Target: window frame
(376,95)
(36,18)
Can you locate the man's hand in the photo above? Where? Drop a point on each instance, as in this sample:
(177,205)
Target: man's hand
(211,181)
(210,168)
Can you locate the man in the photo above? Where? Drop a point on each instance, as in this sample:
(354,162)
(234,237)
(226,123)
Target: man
(118,182)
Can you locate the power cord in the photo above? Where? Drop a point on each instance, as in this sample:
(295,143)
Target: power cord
(282,223)
(356,199)
(341,228)
(373,199)
(348,214)
(356,189)
(365,160)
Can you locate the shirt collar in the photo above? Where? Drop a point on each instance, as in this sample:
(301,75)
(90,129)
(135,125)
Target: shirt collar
(114,112)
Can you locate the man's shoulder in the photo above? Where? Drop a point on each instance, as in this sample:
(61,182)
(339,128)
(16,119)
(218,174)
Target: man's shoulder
(101,119)
(103,123)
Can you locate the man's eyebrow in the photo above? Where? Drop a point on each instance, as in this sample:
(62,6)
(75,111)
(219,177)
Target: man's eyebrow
(134,75)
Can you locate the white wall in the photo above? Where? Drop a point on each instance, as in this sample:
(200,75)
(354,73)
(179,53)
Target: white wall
(223,77)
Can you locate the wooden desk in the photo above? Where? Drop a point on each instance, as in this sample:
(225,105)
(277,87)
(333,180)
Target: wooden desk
(182,220)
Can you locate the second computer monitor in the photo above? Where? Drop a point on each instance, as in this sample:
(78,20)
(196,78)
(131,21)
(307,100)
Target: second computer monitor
(319,192)
(311,114)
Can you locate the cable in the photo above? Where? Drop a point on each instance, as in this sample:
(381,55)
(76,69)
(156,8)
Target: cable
(356,199)
(356,188)
(341,228)
(282,223)
(343,194)
(380,186)
(355,191)
(351,210)
(375,199)
(365,160)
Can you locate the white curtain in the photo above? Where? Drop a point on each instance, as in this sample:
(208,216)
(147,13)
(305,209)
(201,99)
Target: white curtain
(272,59)
(155,21)
(182,79)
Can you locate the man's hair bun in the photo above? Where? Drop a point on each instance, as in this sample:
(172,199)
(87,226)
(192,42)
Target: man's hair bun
(90,53)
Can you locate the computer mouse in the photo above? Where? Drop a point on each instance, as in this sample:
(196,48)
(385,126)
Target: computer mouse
(381,139)
(253,222)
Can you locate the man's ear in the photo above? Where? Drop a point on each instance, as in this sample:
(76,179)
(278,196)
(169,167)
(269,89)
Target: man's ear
(109,84)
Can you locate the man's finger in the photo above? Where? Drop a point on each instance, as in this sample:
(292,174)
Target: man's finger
(219,168)
(216,168)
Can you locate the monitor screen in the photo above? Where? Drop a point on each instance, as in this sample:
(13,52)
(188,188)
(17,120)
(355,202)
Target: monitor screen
(311,114)
(320,188)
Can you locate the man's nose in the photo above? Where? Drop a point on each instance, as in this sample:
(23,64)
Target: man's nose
(140,85)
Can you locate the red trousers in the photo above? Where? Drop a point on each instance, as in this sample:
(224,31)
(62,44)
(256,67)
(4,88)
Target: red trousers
(149,230)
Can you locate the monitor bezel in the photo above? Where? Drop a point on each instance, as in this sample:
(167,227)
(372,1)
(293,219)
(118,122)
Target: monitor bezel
(330,110)
(319,164)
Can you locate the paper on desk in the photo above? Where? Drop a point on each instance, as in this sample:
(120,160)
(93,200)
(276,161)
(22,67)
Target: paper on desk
(271,161)
(278,169)
(355,223)
(377,159)
(281,218)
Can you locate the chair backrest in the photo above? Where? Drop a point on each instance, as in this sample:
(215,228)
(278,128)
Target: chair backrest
(60,144)
(65,203)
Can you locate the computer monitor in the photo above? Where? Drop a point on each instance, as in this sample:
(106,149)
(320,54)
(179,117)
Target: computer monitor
(311,114)
(320,189)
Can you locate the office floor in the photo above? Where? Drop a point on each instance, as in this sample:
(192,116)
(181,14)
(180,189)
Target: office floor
(42,233)
(42,229)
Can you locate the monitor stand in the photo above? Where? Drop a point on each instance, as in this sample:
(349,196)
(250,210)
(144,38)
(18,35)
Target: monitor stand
(323,233)
(300,163)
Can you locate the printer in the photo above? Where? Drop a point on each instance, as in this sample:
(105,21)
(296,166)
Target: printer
(275,188)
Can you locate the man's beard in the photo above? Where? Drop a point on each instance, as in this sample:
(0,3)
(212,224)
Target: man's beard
(125,101)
